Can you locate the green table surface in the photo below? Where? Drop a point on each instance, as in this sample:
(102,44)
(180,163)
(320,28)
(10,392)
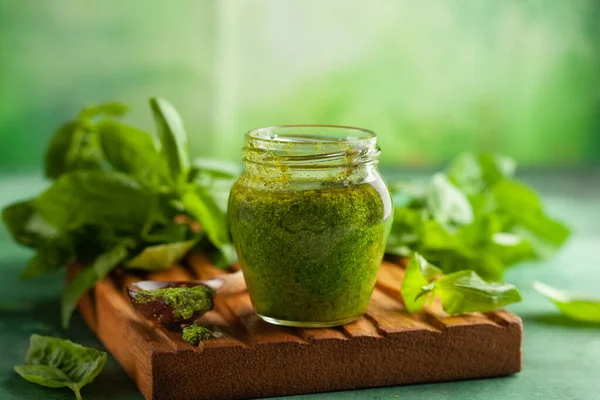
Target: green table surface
(561,359)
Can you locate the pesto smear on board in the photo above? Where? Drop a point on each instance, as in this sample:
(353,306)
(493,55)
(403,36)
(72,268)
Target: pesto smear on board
(310,255)
(193,334)
(184,301)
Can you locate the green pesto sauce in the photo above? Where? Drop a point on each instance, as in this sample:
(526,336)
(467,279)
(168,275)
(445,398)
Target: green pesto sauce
(184,301)
(193,334)
(310,255)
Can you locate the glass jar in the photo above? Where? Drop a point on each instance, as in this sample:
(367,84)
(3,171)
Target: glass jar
(310,216)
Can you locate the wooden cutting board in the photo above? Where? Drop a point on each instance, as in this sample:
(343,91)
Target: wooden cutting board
(388,346)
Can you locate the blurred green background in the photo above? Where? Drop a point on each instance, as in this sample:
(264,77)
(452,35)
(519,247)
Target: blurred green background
(432,78)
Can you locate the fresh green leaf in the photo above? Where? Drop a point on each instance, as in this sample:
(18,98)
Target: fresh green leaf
(483,263)
(202,206)
(25,224)
(515,197)
(417,275)
(407,230)
(172,137)
(87,277)
(57,363)
(527,218)
(95,198)
(576,307)
(52,255)
(113,108)
(213,168)
(448,205)
(473,173)
(510,248)
(465,291)
(132,151)
(161,256)
(74,147)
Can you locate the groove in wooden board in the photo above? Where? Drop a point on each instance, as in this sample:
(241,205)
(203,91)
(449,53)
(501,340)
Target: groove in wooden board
(504,318)
(175,273)
(390,317)
(202,268)
(389,279)
(361,328)
(480,319)
(397,260)
(318,334)
(259,331)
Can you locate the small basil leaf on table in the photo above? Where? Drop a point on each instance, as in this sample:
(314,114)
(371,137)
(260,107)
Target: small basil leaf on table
(203,207)
(465,291)
(448,205)
(418,273)
(576,307)
(172,137)
(85,279)
(161,256)
(133,151)
(95,198)
(57,363)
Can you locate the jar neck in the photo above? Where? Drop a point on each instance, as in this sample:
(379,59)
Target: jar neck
(311,155)
(310,147)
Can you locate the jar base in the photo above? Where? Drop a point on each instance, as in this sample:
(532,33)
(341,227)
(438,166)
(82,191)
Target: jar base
(303,324)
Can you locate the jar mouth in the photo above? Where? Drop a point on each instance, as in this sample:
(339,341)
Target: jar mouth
(311,146)
(313,134)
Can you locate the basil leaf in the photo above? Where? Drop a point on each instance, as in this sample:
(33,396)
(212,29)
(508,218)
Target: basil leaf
(161,256)
(213,168)
(527,218)
(87,277)
(132,151)
(74,147)
(96,198)
(474,173)
(50,257)
(57,363)
(448,205)
(515,197)
(418,273)
(465,291)
(407,230)
(483,263)
(172,137)
(203,207)
(113,108)
(25,224)
(575,307)
(510,248)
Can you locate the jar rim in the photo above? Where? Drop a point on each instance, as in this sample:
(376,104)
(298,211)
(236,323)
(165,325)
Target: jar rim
(312,134)
(311,146)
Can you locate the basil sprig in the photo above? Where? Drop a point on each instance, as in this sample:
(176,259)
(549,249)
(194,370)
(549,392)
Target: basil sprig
(475,216)
(459,292)
(115,197)
(58,363)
